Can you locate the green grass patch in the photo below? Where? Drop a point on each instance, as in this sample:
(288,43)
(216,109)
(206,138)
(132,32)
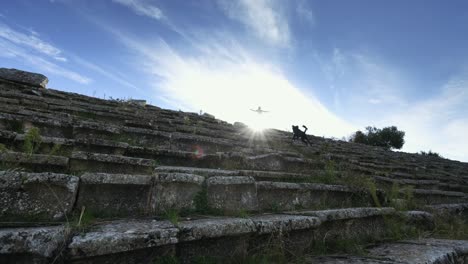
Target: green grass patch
(172,215)
(201,204)
(451,227)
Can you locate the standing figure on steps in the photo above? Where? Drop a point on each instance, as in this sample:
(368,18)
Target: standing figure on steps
(297,133)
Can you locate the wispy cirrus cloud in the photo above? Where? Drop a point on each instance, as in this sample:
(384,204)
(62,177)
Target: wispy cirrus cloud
(304,11)
(142,8)
(263,17)
(11,51)
(31,41)
(109,74)
(30,49)
(438,123)
(372,92)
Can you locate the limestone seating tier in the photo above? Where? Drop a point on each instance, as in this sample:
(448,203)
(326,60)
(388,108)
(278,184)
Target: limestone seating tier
(130,165)
(29,197)
(128,195)
(374,166)
(144,241)
(117,114)
(430,251)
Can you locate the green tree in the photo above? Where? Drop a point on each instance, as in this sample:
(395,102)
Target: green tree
(387,137)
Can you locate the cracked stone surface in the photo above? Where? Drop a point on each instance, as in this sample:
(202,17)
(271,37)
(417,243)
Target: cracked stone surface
(42,241)
(14,75)
(347,213)
(212,228)
(36,196)
(123,236)
(267,224)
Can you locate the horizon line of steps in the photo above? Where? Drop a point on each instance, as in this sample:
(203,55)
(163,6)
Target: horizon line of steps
(220,238)
(119,113)
(67,128)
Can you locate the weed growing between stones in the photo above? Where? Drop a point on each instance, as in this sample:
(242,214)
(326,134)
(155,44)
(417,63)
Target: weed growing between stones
(166,260)
(275,207)
(172,215)
(16,126)
(54,150)
(32,141)
(346,246)
(8,166)
(205,260)
(81,221)
(201,204)
(242,213)
(451,227)
(3,148)
(373,192)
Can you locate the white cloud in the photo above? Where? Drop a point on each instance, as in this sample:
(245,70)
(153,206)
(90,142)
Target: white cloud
(229,86)
(31,41)
(142,8)
(373,92)
(438,124)
(263,17)
(12,51)
(305,12)
(103,72)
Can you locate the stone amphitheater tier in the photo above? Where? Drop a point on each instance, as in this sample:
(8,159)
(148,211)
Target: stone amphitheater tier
(87,180)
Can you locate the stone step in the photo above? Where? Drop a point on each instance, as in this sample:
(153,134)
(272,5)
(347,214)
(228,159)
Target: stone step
(33,162)
(81,162)
(429,251)
(257,175)
(450,210)
(35,197)
(273,196)
(420,184)
(49,145)
(49,127)
(427,197)
(220,238)
(120,195)
(32,245)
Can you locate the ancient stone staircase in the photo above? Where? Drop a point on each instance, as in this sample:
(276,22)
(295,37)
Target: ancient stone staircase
(87,180)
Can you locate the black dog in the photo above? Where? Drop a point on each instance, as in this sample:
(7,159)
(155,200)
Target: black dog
(297,133)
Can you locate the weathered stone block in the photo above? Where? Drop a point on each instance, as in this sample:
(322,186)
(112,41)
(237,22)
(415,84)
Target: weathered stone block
(34,162)
(121,195)
(124,236)
(33,79)
(419,219)
(220,239)
(232,193)
(357,224)
(437,196)
(278,196)
(175,191)
(291,233)
(36,245)
(26,197)
(96,162)
(429,251)
(268,224)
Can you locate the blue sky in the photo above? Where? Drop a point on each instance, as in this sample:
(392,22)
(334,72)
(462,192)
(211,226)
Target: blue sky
(335,66)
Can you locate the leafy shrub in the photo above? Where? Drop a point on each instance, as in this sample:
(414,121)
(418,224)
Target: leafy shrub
(387,137)
(431,154)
